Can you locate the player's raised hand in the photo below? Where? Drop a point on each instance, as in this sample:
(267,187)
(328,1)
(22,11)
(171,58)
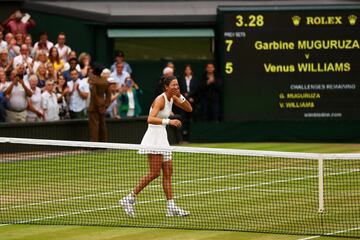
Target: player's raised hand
(175,122)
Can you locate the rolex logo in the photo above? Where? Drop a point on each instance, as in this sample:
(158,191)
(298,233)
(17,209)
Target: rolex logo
(352,19)
(296,20)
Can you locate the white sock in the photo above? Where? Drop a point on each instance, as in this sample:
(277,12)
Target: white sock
(171,203)
(131,195)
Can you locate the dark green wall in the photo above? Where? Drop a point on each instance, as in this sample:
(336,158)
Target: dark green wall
(269,131)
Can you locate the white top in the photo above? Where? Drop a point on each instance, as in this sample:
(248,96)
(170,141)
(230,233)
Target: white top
(166,111)
(2,86)
(20,59)
(48,45)
(50,106)
(77,103)
(120,79)
(131,99)
(18,100)
(36,102)
(63,51)
(188,79)
(3,44)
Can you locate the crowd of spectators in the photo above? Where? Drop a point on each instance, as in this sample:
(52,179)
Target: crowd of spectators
(43,81)
(46,81)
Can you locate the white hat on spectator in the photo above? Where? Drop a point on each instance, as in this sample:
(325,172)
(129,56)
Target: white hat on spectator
(105,71)
(111,80)
(168,70)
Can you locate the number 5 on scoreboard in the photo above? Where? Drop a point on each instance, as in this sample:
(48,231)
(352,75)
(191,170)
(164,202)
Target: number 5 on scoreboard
(229,68)
(228,43)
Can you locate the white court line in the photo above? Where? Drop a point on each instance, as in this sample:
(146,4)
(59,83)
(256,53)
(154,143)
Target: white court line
(330,234)
(181,196)
(151,186)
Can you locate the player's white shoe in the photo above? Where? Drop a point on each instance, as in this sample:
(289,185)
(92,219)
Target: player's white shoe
(128,204)
(176,211)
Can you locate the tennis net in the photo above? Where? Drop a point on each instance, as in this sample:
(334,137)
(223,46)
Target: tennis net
(81,183)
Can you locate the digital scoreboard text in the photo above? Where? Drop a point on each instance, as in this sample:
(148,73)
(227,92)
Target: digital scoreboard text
(290,64)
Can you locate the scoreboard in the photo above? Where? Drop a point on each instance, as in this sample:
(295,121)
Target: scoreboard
(290,64)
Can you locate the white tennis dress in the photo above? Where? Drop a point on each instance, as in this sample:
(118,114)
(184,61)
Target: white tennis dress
(156,135)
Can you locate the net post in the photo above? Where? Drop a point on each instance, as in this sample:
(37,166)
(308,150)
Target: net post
(321,184)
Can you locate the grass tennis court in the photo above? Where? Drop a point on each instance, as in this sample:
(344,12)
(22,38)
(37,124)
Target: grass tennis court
(241,187)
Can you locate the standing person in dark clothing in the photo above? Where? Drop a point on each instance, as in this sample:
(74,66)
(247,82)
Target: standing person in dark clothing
(188,88)
(100,97)
(210,91)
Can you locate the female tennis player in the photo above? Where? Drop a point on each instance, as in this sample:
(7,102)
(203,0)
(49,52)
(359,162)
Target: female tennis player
(156,136)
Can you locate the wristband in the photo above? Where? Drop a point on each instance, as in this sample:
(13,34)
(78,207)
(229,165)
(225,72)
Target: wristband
(165,121)
(182,99)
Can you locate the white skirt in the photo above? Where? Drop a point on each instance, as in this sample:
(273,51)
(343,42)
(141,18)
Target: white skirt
(156,136)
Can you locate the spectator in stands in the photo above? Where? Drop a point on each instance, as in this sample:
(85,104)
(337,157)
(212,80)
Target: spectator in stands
(120,75)
(3,44)
(112,84)
(51,72)
(12,75)
(188,88)
(43,42)
(19,23)
(42,46)
(210,93)
(99,101)
(34,110)
(172,66)
(112,110)
(17,93)
(106,73)
(84,62)
(73,63)
(62,48)
(8,38)
(55,60)
(71,55)
(3,83)
(23,58)
(13,49)
(62,93)
(3,80)
(41,58)
(28,42)
(49,102)
(5,62)
(120,58)
(79,92)
(19,39)
(129,100)
(22,70)
(41,76)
